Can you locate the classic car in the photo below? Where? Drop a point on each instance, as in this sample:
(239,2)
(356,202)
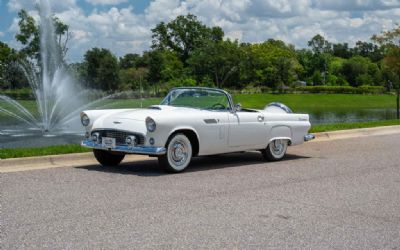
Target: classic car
(189,122)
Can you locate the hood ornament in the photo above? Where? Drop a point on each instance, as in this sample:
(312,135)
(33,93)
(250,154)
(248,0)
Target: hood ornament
(116,122)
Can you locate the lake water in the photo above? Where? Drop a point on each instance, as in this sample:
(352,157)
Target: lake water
(348,116)
(14,135)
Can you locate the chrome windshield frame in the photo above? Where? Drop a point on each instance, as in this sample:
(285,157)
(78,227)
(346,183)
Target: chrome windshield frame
(230,100)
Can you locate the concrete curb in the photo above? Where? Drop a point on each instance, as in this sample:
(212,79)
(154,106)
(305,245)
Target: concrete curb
(84,159)
(54,161)
(354,133)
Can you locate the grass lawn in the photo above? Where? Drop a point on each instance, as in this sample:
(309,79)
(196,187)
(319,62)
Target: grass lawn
(50,150)
(342,126)
(311,102)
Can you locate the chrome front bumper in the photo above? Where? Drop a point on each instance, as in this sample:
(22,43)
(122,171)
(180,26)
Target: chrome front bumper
(126,149)
(309,137)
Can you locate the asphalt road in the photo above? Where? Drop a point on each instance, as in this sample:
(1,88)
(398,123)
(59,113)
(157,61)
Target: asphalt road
(342,194)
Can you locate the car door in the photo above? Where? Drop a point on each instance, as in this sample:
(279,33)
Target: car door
(246,128)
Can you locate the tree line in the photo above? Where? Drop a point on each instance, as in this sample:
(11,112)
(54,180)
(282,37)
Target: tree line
(185,52)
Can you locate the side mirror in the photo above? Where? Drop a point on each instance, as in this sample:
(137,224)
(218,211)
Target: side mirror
(237,107)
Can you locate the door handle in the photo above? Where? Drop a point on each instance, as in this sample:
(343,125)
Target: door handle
(260,118)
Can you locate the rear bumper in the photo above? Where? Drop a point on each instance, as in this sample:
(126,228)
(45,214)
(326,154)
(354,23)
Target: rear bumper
(126,149)
(309,137)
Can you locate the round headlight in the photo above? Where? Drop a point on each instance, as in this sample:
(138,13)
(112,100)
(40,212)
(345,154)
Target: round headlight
(150,124)
(85,120)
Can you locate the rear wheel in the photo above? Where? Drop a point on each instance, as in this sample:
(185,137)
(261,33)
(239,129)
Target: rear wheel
(106,158)
(275,150)
(178,155)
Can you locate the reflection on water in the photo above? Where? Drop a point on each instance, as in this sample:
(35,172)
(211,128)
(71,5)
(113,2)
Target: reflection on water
(17,136)
(348,116)
(13,136)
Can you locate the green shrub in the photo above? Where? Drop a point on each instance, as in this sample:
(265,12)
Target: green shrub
(367,89)
(265,89)
(364,89)
(19,94)
(250,89)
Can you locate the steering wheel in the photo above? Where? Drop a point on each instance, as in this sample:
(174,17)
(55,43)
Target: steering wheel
(218,106)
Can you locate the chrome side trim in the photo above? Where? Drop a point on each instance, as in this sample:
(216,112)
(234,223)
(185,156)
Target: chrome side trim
(210,121)
(126,149)
(309,137)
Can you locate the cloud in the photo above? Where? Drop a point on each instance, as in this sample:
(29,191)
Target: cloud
(357,5)
(106,2)
(1,34)
(123,30)
(17,5)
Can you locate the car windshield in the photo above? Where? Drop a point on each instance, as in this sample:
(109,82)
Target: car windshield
(197,98)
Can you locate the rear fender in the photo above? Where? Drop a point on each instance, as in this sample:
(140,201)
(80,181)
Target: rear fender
(281,132)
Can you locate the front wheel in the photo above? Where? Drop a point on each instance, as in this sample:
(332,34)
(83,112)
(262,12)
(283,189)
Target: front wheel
(275,150)
(106,158)
(178,155)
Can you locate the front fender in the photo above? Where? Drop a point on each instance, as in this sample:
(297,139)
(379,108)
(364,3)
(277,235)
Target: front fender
(164,132)
(175,129)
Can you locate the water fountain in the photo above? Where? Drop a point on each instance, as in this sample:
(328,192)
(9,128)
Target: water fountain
(59,98)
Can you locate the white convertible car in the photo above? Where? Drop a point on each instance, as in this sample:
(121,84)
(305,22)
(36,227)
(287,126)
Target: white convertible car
(192,122)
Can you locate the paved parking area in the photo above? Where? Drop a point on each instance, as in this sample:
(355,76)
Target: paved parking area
(341,194)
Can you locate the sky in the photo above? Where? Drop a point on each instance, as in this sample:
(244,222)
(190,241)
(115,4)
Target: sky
(124,26)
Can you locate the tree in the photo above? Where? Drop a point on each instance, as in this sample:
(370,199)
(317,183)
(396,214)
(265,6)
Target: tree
(322,50)
(62,35)
(5,58)
(341,50)
(354,68)
(274,64)
(319,45)
(369,50)
(29,33)
(171,66)
(129,61)
(306,59)
(391,41)
(10,75)
(101,69)
(155,66)
(216,60)
(133,78)
(183,35)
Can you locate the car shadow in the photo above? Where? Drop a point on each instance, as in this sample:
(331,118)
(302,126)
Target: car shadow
(151,168)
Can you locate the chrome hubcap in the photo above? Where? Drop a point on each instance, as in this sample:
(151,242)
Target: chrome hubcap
(277,147)
(178,152)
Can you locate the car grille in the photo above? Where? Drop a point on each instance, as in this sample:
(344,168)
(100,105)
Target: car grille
(120,136)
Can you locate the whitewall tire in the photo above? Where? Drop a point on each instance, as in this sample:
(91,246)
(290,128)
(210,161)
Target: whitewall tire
(179,154)
(275,150)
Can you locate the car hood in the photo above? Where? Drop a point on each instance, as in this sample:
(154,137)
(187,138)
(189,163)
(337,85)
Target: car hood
(141,114)
(125,118)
